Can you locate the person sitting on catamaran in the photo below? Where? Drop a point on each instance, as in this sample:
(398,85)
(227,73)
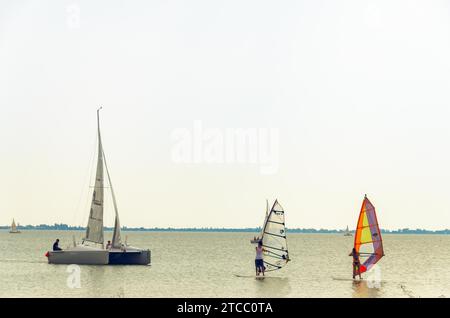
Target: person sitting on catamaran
(56,246)
(356,263)
(259,262)
(108,245)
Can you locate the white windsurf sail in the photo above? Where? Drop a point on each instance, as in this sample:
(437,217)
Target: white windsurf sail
(274,240)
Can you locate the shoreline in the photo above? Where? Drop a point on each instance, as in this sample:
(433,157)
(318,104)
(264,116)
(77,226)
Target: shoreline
(230,230)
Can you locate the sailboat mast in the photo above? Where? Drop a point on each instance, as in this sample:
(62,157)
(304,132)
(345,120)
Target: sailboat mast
(267,218)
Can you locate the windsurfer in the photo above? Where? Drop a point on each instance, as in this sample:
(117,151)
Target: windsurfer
(259,262)
(356,263)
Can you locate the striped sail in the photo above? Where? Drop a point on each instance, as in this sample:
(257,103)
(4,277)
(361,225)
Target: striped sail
(274,240)
(368,241)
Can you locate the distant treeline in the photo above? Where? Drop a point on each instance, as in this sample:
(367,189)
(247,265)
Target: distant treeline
(65,227)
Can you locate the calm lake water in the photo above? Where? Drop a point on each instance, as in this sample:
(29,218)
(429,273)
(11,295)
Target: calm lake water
(205,264)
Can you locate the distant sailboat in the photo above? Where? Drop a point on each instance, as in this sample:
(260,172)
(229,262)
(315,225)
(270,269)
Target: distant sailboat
(274,239)
(368,241)
(92,250)
(347,232)
(14,229)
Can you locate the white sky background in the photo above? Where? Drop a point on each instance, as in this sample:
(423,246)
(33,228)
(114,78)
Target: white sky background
(359,90)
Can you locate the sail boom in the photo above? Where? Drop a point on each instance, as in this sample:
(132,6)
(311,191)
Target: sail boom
(272,267)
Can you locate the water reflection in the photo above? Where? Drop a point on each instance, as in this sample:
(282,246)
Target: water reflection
(363,289)
(94,280)
(272,287)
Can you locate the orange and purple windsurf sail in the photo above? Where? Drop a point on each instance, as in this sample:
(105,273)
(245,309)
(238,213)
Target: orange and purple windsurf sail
(368,241)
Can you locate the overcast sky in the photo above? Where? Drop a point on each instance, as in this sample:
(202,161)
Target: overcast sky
(357,94)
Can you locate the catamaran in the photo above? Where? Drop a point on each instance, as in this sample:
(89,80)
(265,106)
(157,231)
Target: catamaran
(274,239)
(14,229)
(368,241)
(92,251)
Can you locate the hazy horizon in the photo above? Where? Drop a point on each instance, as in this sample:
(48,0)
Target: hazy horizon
(6,227)
(354,96)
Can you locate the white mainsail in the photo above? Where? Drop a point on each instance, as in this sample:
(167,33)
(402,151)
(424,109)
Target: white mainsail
(94,231)
(274,240)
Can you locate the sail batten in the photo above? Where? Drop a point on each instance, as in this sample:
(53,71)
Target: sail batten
(275,235)
(276,222)
(275,248)
(274,240)
(368,240)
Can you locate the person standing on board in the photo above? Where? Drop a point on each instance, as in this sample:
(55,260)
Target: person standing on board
(356,263)
(56,246)
(259,262)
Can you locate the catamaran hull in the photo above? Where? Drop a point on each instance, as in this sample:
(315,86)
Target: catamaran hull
(136,257)
(100,257)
